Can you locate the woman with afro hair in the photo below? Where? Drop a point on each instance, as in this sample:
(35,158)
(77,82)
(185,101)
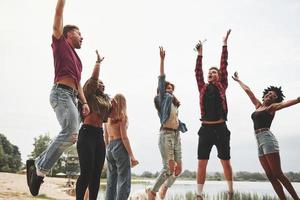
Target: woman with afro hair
(268,149)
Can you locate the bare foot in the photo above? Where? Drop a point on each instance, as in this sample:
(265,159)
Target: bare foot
(163,191)
(150,194)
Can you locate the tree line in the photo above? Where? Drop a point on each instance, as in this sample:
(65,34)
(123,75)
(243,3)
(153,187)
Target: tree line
(10,161)
(217,176)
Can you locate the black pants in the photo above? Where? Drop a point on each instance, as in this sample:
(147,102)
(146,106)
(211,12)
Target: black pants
(91,152)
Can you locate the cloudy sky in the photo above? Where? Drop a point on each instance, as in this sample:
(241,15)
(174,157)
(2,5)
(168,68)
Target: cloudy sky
(264,47)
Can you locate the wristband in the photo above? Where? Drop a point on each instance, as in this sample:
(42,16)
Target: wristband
(84,103)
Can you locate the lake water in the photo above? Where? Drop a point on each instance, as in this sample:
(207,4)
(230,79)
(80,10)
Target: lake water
(211,188)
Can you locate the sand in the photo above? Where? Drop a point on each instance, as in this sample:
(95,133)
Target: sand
(14,187)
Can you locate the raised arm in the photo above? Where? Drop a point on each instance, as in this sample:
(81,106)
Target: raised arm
(162,77)
(91,85)
(58,19)
(277,106)
(125,140)
(198,69)
(162,54)
(252,97)
(96,71)
(224,63)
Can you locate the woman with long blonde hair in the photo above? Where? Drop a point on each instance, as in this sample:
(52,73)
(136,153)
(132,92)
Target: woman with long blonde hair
(119,155)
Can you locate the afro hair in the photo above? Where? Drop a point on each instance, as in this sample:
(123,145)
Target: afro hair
(277,90)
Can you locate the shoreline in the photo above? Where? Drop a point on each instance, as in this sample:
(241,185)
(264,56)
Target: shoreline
(14,187)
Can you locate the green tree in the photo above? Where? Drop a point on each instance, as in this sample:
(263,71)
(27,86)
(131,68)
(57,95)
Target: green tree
(40,144)
(293,176)
(72,162)
(147,174)
(10,157)
(218,176)
(188,174)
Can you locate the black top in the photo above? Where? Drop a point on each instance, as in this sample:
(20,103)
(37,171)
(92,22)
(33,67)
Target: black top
(213,108)
(262,119)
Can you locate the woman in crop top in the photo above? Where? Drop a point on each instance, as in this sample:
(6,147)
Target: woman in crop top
(268,149)
(119,156)
(90,145)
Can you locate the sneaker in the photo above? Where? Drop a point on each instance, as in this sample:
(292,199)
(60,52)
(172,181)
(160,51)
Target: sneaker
(34,181)
(29,163)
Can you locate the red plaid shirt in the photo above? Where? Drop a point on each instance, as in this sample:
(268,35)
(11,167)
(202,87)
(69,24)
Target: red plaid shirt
(221,84)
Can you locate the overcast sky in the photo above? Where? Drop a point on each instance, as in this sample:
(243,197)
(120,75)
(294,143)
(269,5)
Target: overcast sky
(264,46)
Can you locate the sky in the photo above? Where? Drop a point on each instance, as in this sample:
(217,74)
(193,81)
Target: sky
(263,47)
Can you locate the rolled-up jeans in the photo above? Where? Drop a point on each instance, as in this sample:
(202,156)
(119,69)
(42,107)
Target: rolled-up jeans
(170,149)
(64,104)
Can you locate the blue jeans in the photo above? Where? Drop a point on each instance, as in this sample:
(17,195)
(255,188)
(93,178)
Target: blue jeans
(64,104)
(119,171)
(170,149)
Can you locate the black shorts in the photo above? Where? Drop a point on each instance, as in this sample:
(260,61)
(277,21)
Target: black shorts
(215,134)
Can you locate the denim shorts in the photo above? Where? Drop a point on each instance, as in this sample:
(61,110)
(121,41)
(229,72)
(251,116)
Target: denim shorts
(266,143)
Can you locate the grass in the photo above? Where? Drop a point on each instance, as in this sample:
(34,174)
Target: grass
(43,196)
(223,196)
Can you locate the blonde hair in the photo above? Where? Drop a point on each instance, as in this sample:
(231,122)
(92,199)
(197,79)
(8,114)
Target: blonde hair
(120,109)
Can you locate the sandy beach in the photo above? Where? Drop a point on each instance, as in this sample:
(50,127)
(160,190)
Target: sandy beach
(14,187)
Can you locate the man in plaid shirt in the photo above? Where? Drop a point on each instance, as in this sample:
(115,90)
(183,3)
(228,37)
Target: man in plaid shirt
(214,111)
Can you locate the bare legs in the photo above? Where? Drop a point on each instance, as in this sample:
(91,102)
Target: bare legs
(272,166)
(201,174)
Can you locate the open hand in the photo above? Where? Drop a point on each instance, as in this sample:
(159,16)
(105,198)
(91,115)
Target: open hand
(162,52)
(226,37)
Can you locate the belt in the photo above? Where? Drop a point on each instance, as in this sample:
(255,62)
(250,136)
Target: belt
(261,130)
(168,129)
(59,85)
